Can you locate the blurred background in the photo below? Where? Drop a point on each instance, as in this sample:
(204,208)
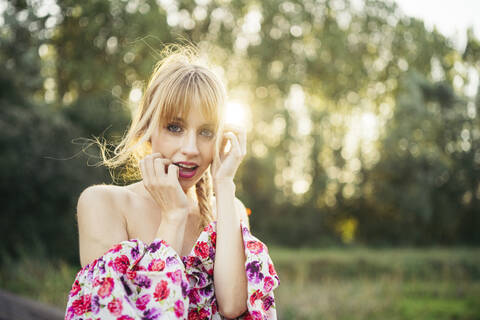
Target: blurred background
(363,165)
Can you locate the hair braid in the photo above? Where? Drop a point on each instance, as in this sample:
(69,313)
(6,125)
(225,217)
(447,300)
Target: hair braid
(203,189)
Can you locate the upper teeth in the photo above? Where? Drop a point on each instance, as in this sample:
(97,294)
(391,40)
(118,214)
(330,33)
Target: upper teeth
(186,166)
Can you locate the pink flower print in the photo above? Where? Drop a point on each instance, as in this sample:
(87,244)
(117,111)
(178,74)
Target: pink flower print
(193,315)
(171,261)
(204,314)
(125,318)
(106,287)
(143,281)
(179,308)
(120,264)
(175,276)
(268,284)
(254,315)
(131,274)
(115,307)
(142,302)
(202,249)
(161,291)
(115,248)
(267,303)
(82,305)
(254,247)
(156,265)
(214,308)
(208,228)
(70,313)
(75,288)
(95,304)
(213,238)
(255,296)
(189,261)
(194,296)
(97,281)
(271,269)
(253,272)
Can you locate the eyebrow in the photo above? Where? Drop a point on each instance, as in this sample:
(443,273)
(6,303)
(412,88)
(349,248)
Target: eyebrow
(178,119)
(207,124)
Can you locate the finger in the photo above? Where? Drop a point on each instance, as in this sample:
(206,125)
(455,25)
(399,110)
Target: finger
(242,139)
(160,166)
(173,173)
(149,162)
(223,145)
(235,143)
(241,134)
(156,167)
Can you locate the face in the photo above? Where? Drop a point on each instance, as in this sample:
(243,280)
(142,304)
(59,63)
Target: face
(189,143)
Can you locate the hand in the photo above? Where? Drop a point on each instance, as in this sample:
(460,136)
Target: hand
(160,178)
(225,164)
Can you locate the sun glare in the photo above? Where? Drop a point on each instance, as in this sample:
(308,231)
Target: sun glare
(237,114)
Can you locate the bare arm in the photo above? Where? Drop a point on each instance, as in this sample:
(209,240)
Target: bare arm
(230,280)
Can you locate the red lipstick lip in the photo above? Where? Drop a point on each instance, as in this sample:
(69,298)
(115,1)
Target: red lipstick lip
(186,174)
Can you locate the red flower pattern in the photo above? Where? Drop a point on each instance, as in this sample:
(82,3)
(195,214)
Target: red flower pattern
(181,284)
(106,287)
(179,308)
(255,247)
(161,290)
(156,265)
(115,306)
(82,305)
(202,249)
(121,264)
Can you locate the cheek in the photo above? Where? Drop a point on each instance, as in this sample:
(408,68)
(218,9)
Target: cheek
(208,151)
(164,145)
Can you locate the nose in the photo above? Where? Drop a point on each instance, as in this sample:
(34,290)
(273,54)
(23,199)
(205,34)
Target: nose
(189,144)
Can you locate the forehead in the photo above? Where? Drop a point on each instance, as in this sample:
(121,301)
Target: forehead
(195,117)
(191,98)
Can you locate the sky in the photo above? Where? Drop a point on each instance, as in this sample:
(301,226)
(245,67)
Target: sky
(451,17)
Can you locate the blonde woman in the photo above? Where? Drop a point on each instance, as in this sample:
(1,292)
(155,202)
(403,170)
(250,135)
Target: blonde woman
(165,247)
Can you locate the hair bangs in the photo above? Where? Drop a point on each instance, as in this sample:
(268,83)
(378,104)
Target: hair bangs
(190,90)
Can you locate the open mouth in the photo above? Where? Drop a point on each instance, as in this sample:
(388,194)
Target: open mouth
(186,170)
(186,167)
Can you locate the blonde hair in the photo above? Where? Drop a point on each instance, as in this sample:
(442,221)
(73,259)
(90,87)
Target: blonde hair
(178,82)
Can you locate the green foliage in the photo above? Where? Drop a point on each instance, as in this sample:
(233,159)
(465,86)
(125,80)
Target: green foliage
(363,130)
(36,275)
(331,283)
(360,283)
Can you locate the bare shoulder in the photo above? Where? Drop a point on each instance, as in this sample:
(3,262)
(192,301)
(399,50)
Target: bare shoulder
(100,222)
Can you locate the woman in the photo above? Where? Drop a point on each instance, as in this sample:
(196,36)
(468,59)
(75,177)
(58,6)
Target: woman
(164,247)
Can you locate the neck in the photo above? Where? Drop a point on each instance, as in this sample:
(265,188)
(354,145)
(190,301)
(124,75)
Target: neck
(191,194)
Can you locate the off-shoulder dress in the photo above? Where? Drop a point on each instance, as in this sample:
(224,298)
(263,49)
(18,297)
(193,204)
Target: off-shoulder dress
(135,280)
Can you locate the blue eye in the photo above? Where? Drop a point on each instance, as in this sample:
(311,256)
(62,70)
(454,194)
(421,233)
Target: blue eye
(174,128)
(206,133)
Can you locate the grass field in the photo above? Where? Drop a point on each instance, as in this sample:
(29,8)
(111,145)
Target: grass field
(324,283)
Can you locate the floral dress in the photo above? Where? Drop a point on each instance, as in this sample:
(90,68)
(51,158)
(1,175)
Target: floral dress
(134,280)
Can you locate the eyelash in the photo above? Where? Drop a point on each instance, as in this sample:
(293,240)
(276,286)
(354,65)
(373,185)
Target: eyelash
(171,125)
(175,128)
